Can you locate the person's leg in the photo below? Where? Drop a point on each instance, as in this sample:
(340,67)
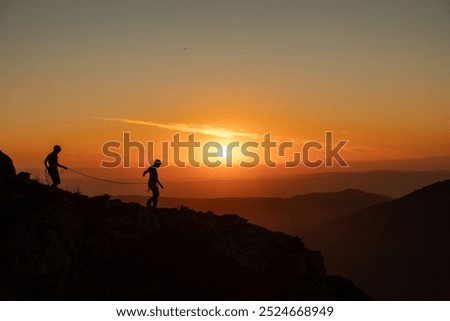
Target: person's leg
(57,180)
(155,191)
(150,200)
(54,174)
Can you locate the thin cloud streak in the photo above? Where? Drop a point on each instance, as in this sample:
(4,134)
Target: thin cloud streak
(188,128)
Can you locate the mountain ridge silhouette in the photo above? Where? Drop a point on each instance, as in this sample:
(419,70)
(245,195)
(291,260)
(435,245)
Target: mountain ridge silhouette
(181,186)
(399,248)
(289,215)
(58,245)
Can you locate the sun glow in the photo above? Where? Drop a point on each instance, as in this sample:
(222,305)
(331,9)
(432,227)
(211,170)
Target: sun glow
(224,153)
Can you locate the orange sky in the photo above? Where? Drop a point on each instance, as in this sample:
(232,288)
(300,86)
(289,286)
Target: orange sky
(375,74)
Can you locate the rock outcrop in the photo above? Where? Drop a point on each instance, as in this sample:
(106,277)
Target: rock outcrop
(56,245)
(7,169)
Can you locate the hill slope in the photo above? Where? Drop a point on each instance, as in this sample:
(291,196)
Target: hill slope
(56,245)
(396,250)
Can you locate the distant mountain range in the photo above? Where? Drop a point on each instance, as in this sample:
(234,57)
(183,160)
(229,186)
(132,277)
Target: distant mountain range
(290,215)
(396,250)
(386,182)
(389,183)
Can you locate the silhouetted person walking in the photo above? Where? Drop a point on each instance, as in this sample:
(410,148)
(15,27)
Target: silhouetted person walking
(153,183)
(51,164)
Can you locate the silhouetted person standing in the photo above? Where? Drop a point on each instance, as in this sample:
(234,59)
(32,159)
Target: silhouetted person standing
(153,183)
(51,164)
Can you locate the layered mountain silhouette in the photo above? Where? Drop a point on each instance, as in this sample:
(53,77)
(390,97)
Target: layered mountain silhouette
(386,182)
(393,249)
(397,250)
(392,183)
(57,245)
(290,215)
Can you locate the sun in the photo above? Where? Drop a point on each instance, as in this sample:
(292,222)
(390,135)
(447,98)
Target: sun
(231,152)
(224,153)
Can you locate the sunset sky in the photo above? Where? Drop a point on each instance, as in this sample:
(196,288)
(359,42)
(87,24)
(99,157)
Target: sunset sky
(80,73)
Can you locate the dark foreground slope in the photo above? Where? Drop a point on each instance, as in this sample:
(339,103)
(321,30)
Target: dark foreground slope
(398,250)
(59,245)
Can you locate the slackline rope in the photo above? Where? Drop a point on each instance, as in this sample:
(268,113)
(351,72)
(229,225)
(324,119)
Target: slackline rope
(102,179)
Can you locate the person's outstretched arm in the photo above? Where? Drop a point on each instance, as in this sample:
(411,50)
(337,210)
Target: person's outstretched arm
(146,171)
(62,166)
(160,184)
